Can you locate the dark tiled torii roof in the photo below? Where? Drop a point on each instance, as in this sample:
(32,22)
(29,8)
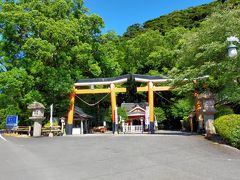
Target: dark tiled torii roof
(118,78)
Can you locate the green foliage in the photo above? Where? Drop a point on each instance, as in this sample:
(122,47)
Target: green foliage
(203,52)
(133,31)
(150,51)
(108,115)
(160,114)
(189,18)
(197,47)
(182,108)
(109,55)
(55,123)
(223,110)
(122,112)
(15,93)
(228,127)
(46,46)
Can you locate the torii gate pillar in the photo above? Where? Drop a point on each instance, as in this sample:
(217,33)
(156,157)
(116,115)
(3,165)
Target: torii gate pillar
(114,105)
(69,124)
(151,106)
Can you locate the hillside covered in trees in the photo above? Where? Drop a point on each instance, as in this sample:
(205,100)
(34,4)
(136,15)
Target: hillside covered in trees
(189,18)
(46,46)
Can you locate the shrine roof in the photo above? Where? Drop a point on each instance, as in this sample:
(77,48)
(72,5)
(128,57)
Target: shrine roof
(79,113)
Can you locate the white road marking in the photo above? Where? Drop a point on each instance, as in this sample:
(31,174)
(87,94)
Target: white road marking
(3,138)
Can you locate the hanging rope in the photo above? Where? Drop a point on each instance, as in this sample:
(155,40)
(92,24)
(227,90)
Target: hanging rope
(163,97)
(94,104)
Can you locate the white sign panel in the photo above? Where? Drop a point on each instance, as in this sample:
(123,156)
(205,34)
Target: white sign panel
(147,116)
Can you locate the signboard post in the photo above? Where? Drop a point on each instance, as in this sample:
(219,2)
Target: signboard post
(51,116)
(11,122)
(51,121)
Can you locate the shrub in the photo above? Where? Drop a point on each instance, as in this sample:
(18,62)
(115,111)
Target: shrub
(55,123)
(228,127)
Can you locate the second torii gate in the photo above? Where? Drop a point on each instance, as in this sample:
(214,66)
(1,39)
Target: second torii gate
(151,80)
(110,82)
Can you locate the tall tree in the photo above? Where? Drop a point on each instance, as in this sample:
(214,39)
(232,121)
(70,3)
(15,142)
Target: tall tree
(46,45)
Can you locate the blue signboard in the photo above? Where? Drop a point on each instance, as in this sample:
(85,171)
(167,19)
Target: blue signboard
(12,122)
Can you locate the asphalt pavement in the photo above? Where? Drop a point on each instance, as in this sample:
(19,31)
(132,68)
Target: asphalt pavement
(168,155)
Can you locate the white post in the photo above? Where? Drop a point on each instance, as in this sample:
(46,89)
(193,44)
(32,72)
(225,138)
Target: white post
(82,127)
(141,119)
(51,121)
(51,114)
(116,121)
(147,117)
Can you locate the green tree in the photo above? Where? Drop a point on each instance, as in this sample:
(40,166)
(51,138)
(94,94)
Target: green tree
(134,30)
(182,108)
(108,55)
(203,52)
(160,114)
(46,46)
(188,18)
(138,52)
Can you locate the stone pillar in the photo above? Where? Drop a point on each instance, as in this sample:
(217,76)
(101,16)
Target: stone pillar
(191,121)
(208,110)
(37,128)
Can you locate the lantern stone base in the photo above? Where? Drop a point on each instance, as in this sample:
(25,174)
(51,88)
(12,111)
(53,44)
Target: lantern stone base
(209,128)
(37,127)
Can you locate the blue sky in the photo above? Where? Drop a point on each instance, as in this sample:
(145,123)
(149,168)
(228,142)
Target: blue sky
(119,14)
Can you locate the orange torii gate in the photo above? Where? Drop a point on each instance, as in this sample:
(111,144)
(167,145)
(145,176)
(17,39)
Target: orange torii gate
(113,90)
(150,80)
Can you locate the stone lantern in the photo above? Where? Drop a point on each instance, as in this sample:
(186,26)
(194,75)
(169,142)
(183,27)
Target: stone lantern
(37,116)
(208,110)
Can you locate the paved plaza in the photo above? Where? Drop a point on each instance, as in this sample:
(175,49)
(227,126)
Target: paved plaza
(170,155)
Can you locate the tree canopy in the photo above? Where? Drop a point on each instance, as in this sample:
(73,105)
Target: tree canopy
(46,46)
